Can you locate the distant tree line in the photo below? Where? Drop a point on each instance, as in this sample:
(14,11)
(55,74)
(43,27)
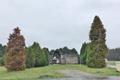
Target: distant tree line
(37,56)
(32,55)
(114,54)
(64,50)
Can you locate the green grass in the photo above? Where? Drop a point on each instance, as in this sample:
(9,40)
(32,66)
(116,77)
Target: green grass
(51,72)
(83,68)
(101,71)
(30,74)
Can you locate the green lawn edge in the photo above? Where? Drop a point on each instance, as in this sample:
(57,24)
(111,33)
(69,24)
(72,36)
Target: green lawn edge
(51,71)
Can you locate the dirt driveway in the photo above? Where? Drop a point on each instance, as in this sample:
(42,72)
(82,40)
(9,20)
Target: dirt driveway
(77,75)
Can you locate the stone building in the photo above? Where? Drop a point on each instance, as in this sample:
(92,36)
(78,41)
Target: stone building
(69,59)
(64,56)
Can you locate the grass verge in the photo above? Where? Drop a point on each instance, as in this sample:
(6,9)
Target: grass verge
(51,72)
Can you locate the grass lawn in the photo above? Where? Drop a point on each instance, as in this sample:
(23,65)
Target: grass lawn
(51,72)
(30,74)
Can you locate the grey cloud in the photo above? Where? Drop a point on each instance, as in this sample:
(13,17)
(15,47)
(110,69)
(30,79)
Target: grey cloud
(58,23)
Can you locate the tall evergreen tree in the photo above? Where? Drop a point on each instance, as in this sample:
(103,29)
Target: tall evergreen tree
(40,56)
(97,32)
(36,56)
(2,52)
(46,51)
(30,57)
(96,57)
(15,53)
(83,54)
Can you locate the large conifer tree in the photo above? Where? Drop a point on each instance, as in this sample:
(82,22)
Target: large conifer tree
(30,57)
(15,53)
(83,54)
(96,57)
(36,56)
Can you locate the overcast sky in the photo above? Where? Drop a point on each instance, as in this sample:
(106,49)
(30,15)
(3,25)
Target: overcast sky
(59,23)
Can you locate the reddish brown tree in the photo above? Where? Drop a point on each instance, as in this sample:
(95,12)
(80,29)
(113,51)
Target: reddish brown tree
(15,52)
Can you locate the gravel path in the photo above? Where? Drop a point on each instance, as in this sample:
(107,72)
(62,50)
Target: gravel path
(77,75)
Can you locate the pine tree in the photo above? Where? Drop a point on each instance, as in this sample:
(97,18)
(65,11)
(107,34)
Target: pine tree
(15,52)
(46,51)
(97,32)
(2,52)
(30,57)
(36,56)
(40,56)
(96,57)
(83,53)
